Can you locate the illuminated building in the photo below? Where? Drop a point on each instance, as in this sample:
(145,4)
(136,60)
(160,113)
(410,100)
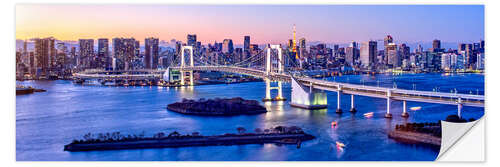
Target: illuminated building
(151,53)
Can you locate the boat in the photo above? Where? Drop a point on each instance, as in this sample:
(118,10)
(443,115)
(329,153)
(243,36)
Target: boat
(334,123)
(340,145)
(415,108)
(369,114)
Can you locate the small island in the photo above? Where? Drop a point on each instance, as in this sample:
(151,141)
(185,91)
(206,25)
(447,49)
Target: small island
(423,133)
(117,141)
(217,107)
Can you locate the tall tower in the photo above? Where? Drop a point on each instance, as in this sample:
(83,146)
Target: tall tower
(294,44)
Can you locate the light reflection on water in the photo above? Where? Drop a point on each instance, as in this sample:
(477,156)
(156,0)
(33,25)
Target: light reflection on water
(48,120)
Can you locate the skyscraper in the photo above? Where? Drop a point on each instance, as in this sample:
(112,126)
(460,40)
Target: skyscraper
(227,46)
(469,55)
(368,53)
(86,52)
(352,53)
(387,40)
(302,43)
(191,39)
(461,47)
(246,44)
(123,51)
(151,55)
(42,54)
(436,45)
(404,52)
(392,55)
(103,52)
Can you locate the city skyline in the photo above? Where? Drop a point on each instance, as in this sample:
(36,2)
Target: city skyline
(99,20)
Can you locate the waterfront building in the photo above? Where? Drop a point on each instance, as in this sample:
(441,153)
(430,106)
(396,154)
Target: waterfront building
(470,59)
(124,50)
(42,56)
(368,53)
(151,53)
(480,61)
(446,61)
(86,52)
(103,52)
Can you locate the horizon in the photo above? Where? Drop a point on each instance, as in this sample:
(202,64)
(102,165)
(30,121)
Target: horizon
(216,22)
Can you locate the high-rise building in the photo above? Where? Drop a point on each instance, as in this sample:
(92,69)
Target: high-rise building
(392,55)
(152,52)
(25,55)
(461,47)
(103,52)
(351,53)
(436,45)
(419,49)
(469,57)
(302,43)
(387,40)
(86,52)
(124,50)
(227,46)
(368,53)
(481,43)
(191,39)
(137,48)
(446,61)
(246,44)
(480,61)
(404,52)
(41,56)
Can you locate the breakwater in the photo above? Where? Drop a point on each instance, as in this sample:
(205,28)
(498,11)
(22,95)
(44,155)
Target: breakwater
(278,135)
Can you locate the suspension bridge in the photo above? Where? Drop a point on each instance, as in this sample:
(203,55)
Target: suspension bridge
(307,92)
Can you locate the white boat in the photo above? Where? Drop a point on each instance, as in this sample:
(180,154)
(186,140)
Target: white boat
(415,108)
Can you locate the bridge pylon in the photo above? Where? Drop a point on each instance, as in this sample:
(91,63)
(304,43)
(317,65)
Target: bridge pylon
(388,113)
(183,64)
(270,71)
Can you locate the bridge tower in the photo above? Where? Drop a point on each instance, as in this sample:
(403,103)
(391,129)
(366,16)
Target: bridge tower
(270,71)
(183,64)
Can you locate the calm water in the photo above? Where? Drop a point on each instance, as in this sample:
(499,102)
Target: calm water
(46,121)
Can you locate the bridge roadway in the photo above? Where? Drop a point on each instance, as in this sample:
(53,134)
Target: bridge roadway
(345,88)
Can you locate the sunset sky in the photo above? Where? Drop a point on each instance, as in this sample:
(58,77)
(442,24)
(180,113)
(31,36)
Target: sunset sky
(264,23)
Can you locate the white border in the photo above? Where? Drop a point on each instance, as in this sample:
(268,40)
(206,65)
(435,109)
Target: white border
(8,70)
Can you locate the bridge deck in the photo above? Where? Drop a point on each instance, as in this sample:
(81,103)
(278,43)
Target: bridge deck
(362,90)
